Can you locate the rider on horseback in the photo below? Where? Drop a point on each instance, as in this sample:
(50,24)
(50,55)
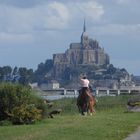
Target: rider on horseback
(85,95)
(85,86)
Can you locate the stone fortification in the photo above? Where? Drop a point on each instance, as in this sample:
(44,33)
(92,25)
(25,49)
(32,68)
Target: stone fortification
(87,52)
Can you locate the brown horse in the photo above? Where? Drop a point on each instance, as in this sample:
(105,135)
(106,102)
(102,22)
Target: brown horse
(86,102)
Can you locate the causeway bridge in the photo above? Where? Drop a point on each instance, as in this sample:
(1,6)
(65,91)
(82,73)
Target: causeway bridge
(99,91)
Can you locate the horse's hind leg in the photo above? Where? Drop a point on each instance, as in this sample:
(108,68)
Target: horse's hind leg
(85,110)
(91,111)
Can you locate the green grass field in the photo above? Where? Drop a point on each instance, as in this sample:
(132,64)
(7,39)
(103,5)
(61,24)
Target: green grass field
(111,122)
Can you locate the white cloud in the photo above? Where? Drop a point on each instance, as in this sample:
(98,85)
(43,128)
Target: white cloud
(123,1)
(13,19)
(90,9)
(118,29)
(57,15)
(15,38)
(130,3)
(16,19)
(22,3)
(50,15)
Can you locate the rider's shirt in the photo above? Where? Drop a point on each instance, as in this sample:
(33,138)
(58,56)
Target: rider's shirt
(85,82)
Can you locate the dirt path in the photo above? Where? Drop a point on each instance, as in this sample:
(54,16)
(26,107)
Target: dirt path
(134,136)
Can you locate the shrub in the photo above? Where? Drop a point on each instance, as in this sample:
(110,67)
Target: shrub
(19,104)
(25,114)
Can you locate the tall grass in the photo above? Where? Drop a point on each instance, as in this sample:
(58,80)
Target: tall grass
(106,103)
(109,123)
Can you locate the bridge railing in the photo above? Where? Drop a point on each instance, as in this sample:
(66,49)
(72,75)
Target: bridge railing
(97,92)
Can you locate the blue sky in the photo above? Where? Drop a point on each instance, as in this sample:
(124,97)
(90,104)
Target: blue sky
(31,31)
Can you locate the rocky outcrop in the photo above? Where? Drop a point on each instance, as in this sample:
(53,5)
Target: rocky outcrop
(133,105)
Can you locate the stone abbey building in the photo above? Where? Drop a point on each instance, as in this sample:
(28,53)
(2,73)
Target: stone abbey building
(86,52)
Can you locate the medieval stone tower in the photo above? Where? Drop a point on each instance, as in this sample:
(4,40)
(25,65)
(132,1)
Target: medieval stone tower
(87,52)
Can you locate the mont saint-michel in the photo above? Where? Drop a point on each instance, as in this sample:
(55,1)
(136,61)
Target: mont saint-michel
(85,57)
(86,53)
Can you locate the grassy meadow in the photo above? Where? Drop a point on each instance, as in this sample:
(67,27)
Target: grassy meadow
(111,122)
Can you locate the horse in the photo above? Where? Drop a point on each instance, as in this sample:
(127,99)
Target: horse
(86,102)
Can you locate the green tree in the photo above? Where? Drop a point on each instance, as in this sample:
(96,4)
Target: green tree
(7,70)
(26,75)
(19,105)
(5,73)
(42,70)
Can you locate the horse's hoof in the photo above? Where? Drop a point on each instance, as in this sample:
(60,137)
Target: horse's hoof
(91,114)
(85,113)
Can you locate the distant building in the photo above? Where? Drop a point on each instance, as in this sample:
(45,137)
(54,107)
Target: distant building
(49,86)
(33,85)
(87,52)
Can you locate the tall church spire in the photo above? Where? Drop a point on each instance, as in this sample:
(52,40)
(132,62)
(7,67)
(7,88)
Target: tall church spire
(84,36)
(84,29)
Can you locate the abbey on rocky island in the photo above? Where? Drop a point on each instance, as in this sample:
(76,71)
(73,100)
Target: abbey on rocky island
(87,52)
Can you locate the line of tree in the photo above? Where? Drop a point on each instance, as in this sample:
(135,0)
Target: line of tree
(20,75)
(23,75)
(44,73)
